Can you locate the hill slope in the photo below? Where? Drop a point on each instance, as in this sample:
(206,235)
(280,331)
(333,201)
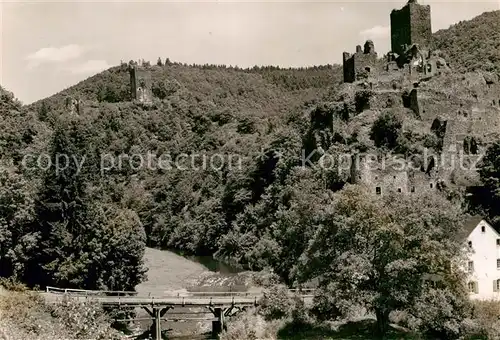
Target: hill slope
(472,45)
(262,212)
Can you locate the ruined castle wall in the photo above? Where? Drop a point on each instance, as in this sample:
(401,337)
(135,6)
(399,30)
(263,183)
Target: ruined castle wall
(365,64)
(381,176)
(431,104)
(400,29)
(359,65)
(419,182)
(410,25)
(141,84)
(420,22)
(349,69)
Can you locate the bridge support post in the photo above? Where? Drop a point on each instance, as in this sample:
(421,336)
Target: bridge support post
(157,313)
(157,323)
(218,325)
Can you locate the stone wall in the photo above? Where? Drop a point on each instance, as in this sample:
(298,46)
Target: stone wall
(410,25)
(360,65)
(388,174)
(74,106)
(141,84)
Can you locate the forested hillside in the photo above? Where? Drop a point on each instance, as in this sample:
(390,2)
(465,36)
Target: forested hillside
(259,211)
(472,45)
(202,112)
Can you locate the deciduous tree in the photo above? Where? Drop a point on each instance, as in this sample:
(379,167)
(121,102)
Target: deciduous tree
(376,252)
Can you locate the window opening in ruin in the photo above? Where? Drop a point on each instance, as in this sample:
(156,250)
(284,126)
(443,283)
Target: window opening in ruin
(378,190)
(399,189)
(431,185)
(412,189)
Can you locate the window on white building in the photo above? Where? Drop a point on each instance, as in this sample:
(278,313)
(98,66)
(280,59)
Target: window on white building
(483,229)
(470,266)
(470,244)
(498,241)
(498,263)
(496,285)
(473,287)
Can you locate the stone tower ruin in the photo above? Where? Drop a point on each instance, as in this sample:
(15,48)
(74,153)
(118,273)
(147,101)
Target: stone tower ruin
(74,106)
(140,84)
(361,64)
(411,25)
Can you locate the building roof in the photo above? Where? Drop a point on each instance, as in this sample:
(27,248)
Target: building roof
(469,225)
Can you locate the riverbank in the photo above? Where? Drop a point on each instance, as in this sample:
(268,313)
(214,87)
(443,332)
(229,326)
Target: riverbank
(168,271)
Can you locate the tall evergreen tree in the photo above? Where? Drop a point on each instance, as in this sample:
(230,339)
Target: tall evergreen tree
(80,239)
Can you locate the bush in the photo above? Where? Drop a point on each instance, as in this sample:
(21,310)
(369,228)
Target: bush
(249,326)
(12,284)
(328,307)
(25,315)
(276,303)
(442,313)
(485,321)
(362,100)
(386,130)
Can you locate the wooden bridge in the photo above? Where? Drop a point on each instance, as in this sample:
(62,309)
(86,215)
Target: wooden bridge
(221,304)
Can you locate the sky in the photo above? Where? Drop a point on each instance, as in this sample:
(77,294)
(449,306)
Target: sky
(46,47)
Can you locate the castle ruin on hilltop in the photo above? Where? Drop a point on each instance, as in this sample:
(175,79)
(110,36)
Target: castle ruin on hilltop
(74,106)
(410,25)
(411,35)
(360,64)
(140,83)
(458,115)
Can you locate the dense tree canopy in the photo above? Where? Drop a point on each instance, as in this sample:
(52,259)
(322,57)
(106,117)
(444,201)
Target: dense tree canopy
(259,214)
(83,242)
(376,252)
(472,45)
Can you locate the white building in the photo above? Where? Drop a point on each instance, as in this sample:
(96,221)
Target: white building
(483,265)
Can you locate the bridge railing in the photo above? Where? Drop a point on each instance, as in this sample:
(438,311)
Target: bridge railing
(306,292)
(86,292)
